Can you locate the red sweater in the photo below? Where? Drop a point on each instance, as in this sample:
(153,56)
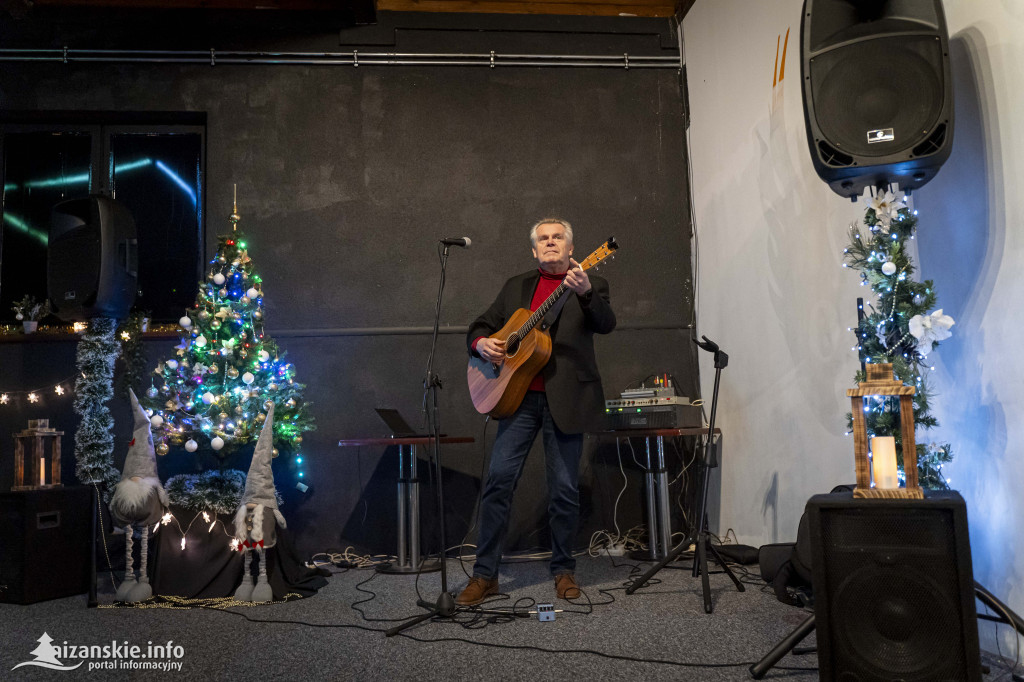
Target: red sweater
(545,286)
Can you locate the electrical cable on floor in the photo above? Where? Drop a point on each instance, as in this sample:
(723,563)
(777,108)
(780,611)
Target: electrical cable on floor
(514,647)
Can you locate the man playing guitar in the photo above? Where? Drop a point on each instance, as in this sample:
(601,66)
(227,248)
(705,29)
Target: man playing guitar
(564,400)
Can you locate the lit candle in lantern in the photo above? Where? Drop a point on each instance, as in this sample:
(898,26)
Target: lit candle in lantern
(883,462)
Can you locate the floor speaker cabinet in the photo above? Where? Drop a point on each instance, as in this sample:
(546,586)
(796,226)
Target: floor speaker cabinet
(893,589)
(44,536)
(878,100)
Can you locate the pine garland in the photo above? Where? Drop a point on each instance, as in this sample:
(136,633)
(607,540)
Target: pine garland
(878,251)
(94,439)
(216,491)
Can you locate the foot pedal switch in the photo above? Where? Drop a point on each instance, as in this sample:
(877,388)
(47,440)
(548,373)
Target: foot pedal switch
(545,612)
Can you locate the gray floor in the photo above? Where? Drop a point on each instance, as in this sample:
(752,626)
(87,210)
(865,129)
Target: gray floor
(659,633)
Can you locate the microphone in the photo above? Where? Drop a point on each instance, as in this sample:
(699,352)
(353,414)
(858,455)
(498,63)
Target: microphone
(464,242)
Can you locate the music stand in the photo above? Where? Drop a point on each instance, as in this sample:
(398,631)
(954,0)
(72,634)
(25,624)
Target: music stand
(699,533)
(444,606)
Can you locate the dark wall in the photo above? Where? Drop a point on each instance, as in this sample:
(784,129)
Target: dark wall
(346,179)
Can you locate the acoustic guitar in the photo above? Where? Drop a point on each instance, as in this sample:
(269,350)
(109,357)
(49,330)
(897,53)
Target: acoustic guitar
(498,390)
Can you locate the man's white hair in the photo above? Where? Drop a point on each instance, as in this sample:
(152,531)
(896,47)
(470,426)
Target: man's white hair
(545,221)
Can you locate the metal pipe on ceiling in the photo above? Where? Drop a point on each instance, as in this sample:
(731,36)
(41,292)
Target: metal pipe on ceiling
(354,58)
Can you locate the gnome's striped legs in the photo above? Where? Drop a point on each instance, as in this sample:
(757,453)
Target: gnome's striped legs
(262,592)
(129,567)
(142,590)
(244,591)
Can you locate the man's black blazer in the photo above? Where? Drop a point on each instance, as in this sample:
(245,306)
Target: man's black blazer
(571,379)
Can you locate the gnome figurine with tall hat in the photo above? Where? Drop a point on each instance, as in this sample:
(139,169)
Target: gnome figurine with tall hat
(139,501)
(257,517)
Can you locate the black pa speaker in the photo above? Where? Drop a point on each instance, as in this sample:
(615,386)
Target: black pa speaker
(878,101)
(92,264)
(893,589)
(45,539)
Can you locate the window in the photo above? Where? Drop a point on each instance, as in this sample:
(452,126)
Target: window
(155,170)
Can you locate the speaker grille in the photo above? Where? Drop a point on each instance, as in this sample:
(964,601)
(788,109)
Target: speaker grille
(893,613)
(878,84)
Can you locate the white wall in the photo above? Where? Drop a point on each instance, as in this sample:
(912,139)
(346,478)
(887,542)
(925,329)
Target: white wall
(773,294)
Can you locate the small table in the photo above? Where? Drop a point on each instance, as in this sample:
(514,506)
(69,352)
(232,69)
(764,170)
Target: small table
(409,560)
(658,504)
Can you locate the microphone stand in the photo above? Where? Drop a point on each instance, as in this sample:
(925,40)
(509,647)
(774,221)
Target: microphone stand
(699,534)
(444,606)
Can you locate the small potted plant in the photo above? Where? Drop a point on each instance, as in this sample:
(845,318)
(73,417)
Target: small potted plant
(29,312)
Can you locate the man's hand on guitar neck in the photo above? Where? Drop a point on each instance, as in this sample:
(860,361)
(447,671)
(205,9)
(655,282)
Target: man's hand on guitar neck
(491,350)
(576,279)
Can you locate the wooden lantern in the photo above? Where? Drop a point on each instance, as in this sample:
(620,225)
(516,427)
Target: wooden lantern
(880,382)
(31,474)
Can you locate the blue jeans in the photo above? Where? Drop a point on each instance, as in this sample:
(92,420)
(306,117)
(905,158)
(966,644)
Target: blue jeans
(562,459)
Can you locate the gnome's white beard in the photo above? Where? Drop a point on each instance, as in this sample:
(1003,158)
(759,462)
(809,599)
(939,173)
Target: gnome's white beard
(241,533)
(132,497)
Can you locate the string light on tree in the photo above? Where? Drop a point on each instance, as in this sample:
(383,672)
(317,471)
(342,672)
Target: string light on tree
(897,328)
(226,368)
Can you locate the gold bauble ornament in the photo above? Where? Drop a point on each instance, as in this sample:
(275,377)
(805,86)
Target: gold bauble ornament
(242,353)
(274,453)
(258,314)
(271,387)
(232,373)
(204,314)
(290,402)
(223,293)
(260,418)
(245,300)
(268,404)
(223,416)
(298,439)
(222,259)
(238,409)
(214,369)
(162,449)
(215,324)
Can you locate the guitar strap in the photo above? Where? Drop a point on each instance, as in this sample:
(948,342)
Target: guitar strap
(549,319)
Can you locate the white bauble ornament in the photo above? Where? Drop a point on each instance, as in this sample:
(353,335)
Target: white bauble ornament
(152,392)
(19,317)
(252,293)
(208,397)
(157,421)
(200,341)
(218,279)
(263,356)
(248,378)
(888,268)
(185,322)
(171,364)
(217,443)
(191,445)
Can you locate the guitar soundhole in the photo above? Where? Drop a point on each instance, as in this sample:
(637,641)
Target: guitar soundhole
(511,345)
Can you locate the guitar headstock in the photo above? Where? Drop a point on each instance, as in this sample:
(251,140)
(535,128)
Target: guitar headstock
(606,250)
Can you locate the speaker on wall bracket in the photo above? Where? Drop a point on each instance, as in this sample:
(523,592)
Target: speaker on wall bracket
(878,101)
(92,259)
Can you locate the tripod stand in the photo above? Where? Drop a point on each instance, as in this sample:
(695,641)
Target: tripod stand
(444,606)
(699,534)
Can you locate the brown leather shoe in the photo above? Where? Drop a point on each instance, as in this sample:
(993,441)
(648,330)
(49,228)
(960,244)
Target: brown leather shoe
(566,586)
(476,591)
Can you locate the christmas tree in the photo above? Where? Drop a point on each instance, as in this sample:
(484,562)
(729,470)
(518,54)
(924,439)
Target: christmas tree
(214,395)
(900,329)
